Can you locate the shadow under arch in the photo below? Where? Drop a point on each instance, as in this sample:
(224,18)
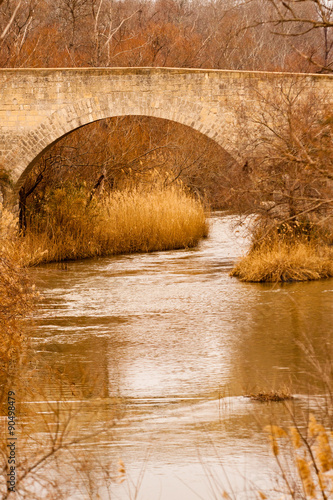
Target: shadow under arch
(71,117)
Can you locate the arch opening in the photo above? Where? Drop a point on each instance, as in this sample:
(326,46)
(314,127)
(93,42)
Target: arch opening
(123,147)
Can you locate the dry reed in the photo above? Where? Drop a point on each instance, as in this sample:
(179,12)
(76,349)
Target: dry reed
(127,221)
(284,261)
(312,454)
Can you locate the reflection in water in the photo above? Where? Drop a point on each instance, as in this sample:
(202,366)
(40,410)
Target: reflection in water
(169,335)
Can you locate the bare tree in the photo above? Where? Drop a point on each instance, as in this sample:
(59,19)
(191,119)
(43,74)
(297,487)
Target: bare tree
(291,168)
(17,21)
(308,26)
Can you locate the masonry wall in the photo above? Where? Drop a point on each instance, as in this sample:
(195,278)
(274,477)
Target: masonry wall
(38,106)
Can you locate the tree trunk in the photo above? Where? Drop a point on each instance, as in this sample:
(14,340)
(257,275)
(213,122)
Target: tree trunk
(22,211)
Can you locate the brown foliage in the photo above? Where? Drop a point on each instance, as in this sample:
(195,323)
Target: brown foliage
(291,171)
(231,35)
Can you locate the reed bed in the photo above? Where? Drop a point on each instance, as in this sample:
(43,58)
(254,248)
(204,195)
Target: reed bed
(138,219)
(285,261)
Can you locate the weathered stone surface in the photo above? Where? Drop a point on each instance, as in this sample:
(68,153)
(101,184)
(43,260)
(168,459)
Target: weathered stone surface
(38,106)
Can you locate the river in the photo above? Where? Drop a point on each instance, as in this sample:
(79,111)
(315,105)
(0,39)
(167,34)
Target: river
(162,349)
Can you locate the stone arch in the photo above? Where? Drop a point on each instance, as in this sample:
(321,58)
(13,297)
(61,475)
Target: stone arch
(73,116)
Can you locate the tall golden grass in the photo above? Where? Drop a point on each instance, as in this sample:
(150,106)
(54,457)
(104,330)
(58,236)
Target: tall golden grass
(283,261)
(286,252)
(134,219)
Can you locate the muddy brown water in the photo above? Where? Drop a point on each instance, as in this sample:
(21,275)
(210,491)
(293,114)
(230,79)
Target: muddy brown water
(165,346)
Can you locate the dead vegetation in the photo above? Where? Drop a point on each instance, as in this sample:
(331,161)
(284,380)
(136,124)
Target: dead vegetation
(70,225)
(263,396)
(285,262)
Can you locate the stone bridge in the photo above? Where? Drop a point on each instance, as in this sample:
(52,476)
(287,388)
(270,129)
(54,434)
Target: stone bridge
(39,106)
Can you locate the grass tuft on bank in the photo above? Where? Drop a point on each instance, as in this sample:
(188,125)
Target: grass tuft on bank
(283,261)
(150,218)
